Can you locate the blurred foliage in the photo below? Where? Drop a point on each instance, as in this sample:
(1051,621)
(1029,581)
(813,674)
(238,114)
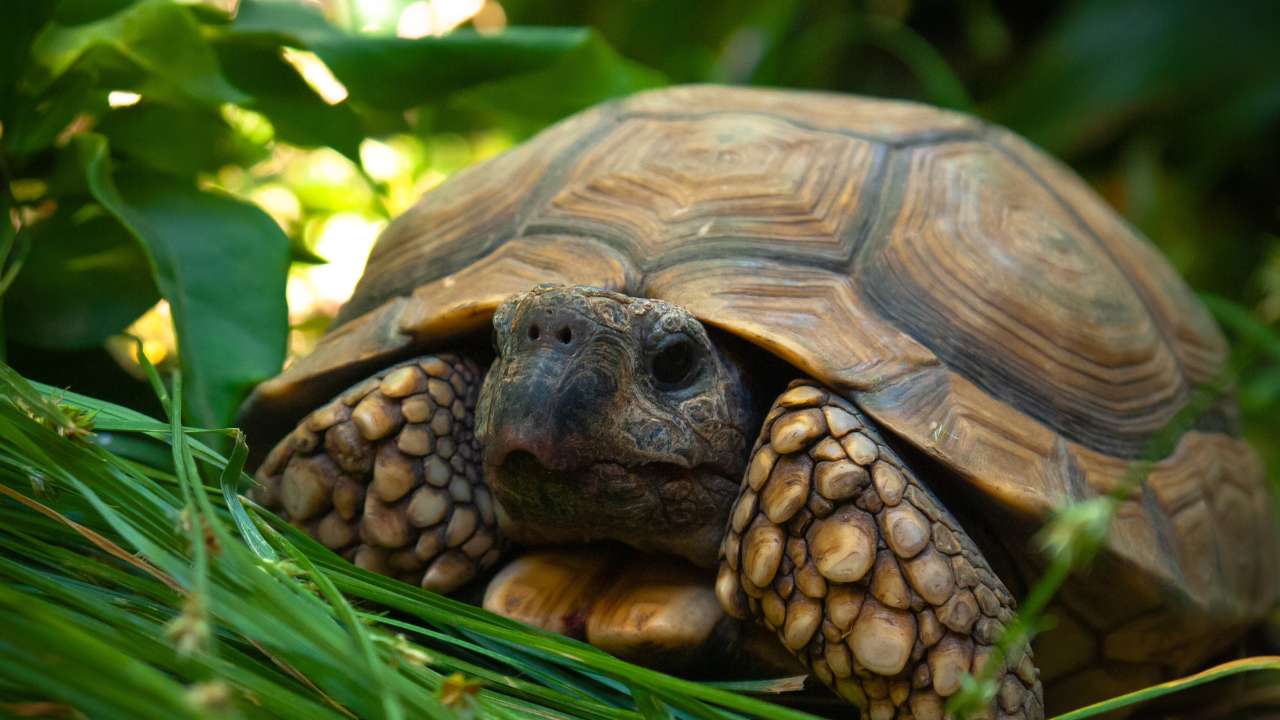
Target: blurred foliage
(147,146)
(143,141)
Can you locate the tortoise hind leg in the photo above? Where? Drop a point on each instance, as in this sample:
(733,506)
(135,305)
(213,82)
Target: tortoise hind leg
(839,548)
(388,474)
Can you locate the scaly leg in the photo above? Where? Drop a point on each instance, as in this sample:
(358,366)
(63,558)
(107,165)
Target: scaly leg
(388,475)
(837,546)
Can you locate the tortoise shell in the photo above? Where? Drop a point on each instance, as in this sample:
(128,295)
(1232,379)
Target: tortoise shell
(964,289)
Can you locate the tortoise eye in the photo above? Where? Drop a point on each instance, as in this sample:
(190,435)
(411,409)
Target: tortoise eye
(674,363)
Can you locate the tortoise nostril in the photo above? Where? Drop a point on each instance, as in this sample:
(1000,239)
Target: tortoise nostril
(565,335)
(534,331)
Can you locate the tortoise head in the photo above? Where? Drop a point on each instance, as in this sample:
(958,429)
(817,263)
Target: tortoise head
(608,417)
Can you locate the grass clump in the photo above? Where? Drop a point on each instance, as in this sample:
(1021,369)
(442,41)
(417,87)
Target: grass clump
(135,582)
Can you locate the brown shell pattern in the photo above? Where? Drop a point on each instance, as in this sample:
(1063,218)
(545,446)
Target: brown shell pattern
(965,290)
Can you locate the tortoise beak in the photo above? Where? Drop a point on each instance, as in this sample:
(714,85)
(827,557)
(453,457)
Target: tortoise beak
(520,419)
(548,397)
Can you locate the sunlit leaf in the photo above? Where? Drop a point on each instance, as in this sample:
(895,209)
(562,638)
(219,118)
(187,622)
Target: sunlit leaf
(394,73)
(300,117)
(159,37)
(221,265)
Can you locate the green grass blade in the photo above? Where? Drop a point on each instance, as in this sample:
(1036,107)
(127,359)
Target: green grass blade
(1235,667)
(391,708)
(116,684)
(650,707)
(230,481)
(774,686)
(1252,330)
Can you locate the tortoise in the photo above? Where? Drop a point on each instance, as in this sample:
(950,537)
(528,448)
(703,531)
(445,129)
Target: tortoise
(821,361)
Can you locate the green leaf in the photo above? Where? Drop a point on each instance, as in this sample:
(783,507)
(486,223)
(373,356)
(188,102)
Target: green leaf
(280,19)
(176,140)
(35,125)
(220,263)
(84,279)
(397,74)
(158,37)
(299,115)
(392,73)
(1253,333)
(22,22)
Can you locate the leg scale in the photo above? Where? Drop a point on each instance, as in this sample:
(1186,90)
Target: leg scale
(388,474)
(836,546)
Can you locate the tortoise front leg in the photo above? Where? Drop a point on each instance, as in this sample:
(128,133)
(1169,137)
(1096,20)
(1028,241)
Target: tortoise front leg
(388,475)
(837,546)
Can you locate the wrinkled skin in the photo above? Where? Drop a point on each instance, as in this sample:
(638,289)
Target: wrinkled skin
(608,417)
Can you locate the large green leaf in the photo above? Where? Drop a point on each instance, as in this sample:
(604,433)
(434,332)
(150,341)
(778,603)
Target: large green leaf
(180,141)
(392,73)
(396,74)
(84,279)
(158,37)
(220,263)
